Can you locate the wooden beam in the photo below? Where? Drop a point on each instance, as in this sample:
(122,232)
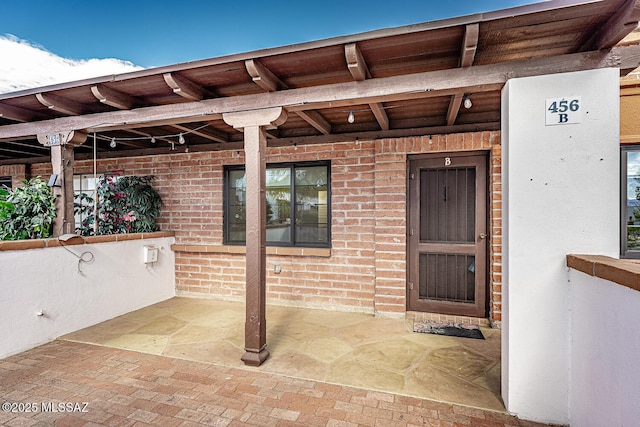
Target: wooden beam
(262,76)
(5,148)
(480,78)
(113,98)
(148,135)
(316,120)
(380,114)
(360,71)
(469,45)
(467,55)
(184,87)
(20,114)
(60,104)
(616,28)
(454,108)
(207,133)
(356,63)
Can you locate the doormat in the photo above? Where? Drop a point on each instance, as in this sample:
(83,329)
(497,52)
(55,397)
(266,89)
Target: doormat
(450,329)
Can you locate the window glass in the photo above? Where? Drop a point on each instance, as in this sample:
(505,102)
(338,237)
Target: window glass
(5,182)
(311,204)
(278,205)
(237,185)
(632,211)
(297,205)
(83,184)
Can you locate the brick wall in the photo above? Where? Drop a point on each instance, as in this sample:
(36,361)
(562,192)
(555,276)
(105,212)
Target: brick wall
(366,269)
(18,173)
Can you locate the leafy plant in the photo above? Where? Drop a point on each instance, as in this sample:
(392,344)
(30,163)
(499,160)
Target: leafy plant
(126,204)
(6,208)
(27,212)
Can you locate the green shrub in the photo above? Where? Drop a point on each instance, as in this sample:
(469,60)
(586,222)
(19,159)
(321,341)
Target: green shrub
(126,204)
(27,212)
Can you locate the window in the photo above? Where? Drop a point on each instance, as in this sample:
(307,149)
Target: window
(86,184)
(5,182)
(631,202)
(297,202)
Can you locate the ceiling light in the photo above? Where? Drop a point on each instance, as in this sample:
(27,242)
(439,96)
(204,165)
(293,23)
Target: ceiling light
(180,139)
(112,144)
(351,118)
(467,102)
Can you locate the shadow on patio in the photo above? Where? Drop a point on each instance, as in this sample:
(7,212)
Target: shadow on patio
(341,348)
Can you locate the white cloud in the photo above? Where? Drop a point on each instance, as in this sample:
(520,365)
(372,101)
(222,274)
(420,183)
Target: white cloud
(24,65)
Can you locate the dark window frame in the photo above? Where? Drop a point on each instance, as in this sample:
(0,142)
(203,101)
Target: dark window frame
(6,179)
(625,252)
(292,166)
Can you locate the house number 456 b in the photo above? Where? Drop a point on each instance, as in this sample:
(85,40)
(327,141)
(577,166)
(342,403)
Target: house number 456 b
(562,111)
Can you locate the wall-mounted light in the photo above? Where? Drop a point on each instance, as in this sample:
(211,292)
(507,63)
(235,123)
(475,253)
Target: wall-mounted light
(113,143)
(351,118)
(53,181)
(467,102)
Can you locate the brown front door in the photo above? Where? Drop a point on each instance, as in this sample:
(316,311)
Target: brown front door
(447,242)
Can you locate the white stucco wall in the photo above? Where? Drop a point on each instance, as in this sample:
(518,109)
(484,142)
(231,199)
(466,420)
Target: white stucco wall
(560,196)
(605,346)
(116,282)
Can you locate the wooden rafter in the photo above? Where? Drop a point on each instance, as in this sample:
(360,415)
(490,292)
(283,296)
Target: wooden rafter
(60,104)
(148,135)
(23,144)
(19,114)
(316,120)
(207,133)
(360,72)
(5,148)
(616,28)
(356,63)
(469,45)
(430,84)
(467,55)
(454,108)
(113,98)
(268,81)
(185,87)
(262,76)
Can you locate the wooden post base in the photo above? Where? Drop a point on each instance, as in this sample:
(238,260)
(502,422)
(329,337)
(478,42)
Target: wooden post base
(251,358)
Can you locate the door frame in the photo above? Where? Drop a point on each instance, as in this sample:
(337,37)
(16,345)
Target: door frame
(480,159)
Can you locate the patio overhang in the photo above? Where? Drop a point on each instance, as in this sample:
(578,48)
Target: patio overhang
(396,82)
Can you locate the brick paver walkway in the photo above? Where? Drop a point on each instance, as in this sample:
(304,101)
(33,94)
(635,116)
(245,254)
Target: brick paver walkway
(73,384)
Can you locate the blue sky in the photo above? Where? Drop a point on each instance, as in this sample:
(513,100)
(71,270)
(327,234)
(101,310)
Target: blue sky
(154,33)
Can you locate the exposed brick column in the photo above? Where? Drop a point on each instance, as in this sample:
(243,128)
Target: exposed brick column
(255,146)
(390,228)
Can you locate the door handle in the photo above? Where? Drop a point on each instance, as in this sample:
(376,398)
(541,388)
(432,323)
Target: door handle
(483,236)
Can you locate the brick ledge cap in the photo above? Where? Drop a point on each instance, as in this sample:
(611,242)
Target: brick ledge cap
(625,272)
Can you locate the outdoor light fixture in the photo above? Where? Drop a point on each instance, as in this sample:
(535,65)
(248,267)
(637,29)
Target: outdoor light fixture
(180,139)
(351,118)
(53,181)
(467,102)
(153,139)
(113,144)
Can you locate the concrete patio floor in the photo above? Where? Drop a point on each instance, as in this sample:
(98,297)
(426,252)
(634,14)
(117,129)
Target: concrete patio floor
(347,349)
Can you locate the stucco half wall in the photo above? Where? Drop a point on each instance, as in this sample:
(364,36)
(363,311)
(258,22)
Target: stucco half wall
(560,196)
(71,297)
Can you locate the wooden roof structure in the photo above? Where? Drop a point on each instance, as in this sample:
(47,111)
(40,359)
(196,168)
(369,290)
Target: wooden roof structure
(397,82)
